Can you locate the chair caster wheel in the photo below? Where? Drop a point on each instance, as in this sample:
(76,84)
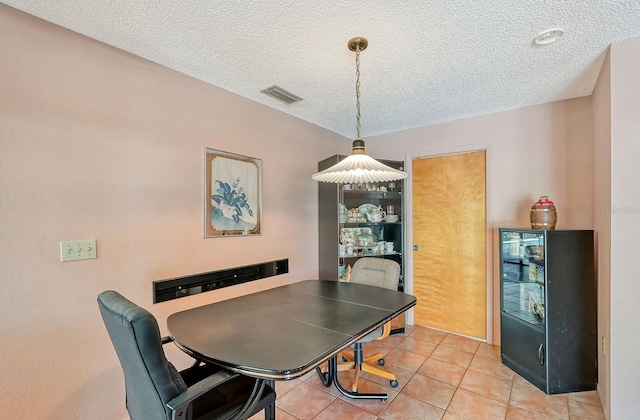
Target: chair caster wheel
(394,384)
(326,376)
(381,362)
(344,359)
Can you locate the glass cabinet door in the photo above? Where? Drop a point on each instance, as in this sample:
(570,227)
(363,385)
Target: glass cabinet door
(370,224)
(523,270)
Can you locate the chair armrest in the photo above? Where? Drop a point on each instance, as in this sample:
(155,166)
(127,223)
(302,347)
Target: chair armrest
(385,332)
(180,404)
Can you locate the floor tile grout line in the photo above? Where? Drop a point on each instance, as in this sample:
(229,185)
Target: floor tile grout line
(467,368)
(458,388)
(496,375)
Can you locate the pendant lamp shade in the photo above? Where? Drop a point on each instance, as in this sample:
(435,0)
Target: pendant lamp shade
(358,167)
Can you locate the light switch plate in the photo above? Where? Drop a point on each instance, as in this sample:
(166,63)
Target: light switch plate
(78,250)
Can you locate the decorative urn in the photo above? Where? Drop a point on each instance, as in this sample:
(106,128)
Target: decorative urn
(543,214)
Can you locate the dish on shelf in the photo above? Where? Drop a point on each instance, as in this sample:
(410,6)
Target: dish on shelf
(368,252)
(365,239)
(366,208)
(348,235)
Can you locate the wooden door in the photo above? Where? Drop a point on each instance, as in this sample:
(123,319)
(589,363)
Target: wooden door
(449,230)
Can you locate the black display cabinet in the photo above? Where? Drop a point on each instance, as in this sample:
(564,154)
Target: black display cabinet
(548,308)
(339,226)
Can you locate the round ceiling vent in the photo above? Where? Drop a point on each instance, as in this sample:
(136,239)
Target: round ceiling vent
(548,36)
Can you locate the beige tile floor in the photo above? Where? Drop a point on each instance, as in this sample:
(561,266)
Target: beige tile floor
(441,376)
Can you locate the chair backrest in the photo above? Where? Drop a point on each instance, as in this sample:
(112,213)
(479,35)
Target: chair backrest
(150,379)
(379,272)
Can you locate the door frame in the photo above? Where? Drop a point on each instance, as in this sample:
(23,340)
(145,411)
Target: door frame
(408,236)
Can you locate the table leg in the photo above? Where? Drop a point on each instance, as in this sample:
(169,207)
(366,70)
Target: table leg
(333,376)
(326,377)
(270,411)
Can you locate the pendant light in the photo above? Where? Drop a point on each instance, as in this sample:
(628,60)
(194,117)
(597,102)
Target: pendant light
(358,167)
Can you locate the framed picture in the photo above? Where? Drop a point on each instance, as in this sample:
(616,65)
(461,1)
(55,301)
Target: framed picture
(233,194)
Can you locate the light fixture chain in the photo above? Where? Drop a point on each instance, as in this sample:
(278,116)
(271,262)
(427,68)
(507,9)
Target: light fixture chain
(358,167)
(358,92)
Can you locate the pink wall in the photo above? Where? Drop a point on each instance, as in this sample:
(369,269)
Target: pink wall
(602,223)
(624,364)
(98,143)
(543,149)
(540,150)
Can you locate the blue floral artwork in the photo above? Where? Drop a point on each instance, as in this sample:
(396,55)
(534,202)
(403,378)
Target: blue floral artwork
(234,185)
(230,201)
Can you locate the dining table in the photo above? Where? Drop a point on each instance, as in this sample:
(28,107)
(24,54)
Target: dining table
(285,332)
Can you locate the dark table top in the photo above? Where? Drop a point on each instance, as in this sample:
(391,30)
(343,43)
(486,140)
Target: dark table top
(283,333)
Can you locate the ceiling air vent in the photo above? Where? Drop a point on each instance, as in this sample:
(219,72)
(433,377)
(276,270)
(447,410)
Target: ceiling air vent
(281,94)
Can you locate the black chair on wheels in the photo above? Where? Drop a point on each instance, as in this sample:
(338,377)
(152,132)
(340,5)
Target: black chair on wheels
(154,387)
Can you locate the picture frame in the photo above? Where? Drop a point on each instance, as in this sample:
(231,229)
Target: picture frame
(233,195)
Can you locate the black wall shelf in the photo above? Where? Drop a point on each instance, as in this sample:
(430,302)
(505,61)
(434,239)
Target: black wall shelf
(169,289)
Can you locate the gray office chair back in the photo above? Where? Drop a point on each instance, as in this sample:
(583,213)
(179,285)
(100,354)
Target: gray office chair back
(379,272)
(150,379)
(376,272)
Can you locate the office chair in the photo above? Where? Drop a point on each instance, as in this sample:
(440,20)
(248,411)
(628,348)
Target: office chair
(156,390)
(374,272)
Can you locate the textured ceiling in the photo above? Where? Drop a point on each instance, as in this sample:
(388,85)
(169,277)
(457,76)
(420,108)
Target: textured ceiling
(427,61)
